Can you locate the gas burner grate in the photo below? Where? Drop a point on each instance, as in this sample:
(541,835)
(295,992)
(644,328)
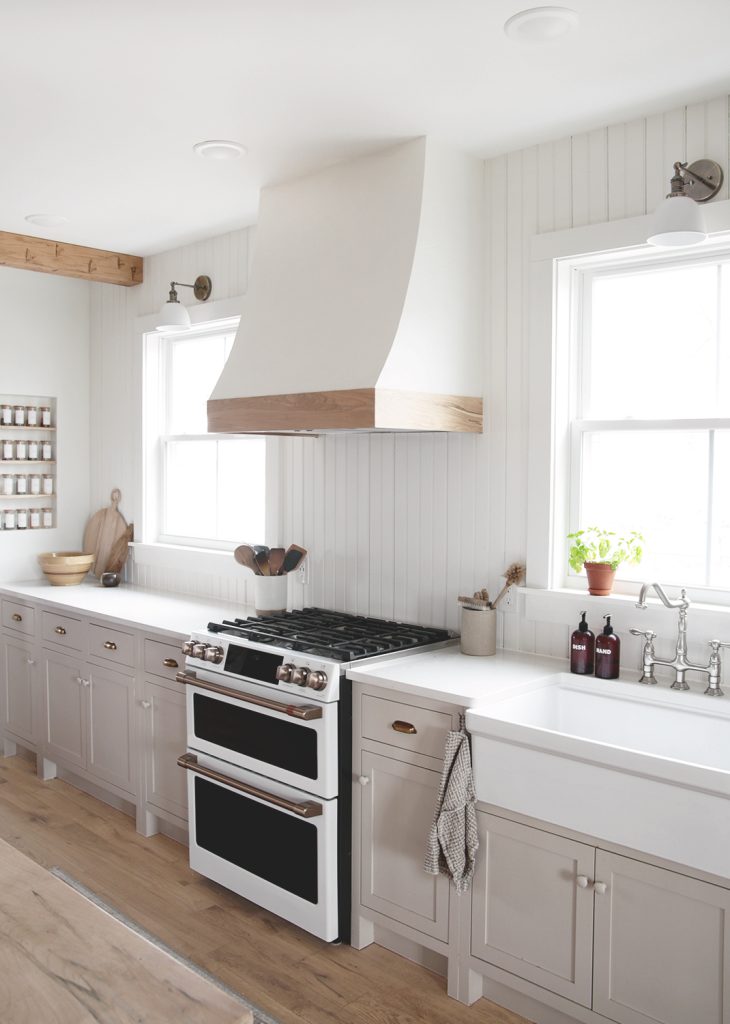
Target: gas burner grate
(336,635)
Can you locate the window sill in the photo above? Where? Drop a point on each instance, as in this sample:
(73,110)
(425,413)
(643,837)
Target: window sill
(196,560)
(563,606)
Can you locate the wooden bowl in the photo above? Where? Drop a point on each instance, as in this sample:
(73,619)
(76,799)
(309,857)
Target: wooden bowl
(65,568)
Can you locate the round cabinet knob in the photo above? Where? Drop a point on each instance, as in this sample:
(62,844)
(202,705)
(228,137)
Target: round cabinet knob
(583,881)
(283,672)
(364,780)
(214,655)
(600,888)
(317,680)
(187,647)
(199,650)
(299,676)
(31,661)
(86,682)
(79,680)
(146,704)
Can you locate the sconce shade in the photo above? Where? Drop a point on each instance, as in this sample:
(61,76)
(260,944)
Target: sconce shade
(678,220)
(173,317)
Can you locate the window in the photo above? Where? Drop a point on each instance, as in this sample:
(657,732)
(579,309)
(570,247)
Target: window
(649,426)
(202,490)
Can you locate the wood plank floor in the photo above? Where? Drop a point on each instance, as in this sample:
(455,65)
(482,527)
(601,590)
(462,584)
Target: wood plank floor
(290,974)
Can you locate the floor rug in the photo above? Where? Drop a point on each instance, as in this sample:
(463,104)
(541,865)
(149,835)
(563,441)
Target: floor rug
(260,1017)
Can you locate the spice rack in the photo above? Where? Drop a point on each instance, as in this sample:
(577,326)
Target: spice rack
(28,459)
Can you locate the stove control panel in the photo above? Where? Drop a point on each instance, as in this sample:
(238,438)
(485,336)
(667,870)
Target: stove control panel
(289,673)
(205,652)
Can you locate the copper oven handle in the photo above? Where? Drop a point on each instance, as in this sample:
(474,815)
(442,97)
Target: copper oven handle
(405,727)
(305,712)
(305,809)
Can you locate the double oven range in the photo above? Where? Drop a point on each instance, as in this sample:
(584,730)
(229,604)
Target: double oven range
(269,736)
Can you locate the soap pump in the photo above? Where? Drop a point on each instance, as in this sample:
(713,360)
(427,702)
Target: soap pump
(582,649)
(608,652)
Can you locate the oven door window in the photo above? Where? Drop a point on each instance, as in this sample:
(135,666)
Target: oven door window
(265,841)
(266,738)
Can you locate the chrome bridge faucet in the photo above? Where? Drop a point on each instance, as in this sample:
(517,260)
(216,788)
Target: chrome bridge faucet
(680,663)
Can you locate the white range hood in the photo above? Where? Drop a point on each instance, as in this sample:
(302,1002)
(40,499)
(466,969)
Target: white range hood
(365,305)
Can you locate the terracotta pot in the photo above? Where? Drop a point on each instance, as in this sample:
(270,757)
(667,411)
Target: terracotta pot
(600,578)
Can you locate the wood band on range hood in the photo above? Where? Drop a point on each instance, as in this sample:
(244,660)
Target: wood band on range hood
(355,409)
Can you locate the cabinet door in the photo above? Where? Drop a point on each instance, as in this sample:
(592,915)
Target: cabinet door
(165,732)
(397,811)
(111,723)
(662,946)
(532,906)
(64,701)
(18,690)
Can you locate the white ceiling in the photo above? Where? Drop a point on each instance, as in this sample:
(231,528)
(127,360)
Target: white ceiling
(102,102)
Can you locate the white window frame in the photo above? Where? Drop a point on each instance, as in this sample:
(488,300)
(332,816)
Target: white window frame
(556,262)
(150,551)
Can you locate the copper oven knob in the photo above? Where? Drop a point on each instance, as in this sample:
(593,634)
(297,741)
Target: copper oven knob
(187,647)
(199,650)
(317,680)
(283,672)
(300,676)
(214,654)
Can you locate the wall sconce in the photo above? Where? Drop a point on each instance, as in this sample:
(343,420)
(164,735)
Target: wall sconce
(678,220)
(173,315)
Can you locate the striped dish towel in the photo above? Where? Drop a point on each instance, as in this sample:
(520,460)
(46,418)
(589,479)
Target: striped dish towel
(453,839)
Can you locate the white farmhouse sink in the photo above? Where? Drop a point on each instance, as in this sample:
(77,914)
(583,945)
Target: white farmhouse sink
(645,767)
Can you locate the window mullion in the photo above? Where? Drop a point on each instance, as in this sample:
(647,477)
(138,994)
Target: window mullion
(710,506)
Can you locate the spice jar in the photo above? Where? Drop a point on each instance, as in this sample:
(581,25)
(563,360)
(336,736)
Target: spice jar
(48,484)
(21,451)
(7,484)
(6,415)
(33,450)
(34,484)
(31,415)
(45,413)
(47,518)
(9,519)
(34,519)
(21,484)
(19,415)
(46,451)
(8,450)
(21,522)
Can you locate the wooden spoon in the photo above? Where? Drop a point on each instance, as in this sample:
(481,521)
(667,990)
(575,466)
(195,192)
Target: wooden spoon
(244,556)
(261,554)
(292,558)
(276,560)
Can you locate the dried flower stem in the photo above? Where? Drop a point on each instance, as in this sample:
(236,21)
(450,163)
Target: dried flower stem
(513,575)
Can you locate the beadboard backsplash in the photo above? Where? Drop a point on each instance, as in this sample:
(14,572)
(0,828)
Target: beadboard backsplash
(399,525)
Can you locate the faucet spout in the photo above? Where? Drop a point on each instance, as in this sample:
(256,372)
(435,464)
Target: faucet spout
(682,603)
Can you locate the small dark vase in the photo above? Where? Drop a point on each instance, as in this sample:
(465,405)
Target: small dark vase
(111,579)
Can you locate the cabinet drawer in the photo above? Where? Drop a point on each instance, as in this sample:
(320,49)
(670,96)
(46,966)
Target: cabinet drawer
(60,629)
(404,725)
(111,644)
(18,616)
(162,659)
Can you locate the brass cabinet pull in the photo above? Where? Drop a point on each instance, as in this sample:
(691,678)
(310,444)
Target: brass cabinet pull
(60,630)
(305,809)
(306,712)
(170,663)
(109,645)
(17,618)
(405,727)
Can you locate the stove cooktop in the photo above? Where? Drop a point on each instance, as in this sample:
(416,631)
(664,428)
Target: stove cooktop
(334,635)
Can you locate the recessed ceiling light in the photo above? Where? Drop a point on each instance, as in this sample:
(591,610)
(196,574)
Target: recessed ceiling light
(219,149)
(46,220)
(541,24)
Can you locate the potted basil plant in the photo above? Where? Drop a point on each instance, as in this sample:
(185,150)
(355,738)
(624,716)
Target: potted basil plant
(601,552)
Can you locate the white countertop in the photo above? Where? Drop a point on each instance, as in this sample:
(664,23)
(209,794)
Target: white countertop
(155,611)
(457,678)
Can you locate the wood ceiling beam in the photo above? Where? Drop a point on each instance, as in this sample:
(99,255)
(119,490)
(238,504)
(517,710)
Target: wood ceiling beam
(25,252)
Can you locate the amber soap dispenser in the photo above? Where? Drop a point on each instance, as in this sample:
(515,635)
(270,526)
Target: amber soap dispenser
(608,652)
(582,649)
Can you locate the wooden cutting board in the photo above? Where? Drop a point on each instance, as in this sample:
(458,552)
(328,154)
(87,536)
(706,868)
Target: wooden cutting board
(102,531)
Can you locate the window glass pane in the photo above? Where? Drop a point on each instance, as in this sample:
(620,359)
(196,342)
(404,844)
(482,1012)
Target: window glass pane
(657,483)
(653,347)
(720,561)
(194,366)
(190,494)
(241,490)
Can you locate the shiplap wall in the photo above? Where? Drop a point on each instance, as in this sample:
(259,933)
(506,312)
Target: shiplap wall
(399,525)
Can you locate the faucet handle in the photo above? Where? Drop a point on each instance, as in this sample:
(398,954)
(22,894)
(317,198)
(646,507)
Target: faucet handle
(648,634)
(716,645)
